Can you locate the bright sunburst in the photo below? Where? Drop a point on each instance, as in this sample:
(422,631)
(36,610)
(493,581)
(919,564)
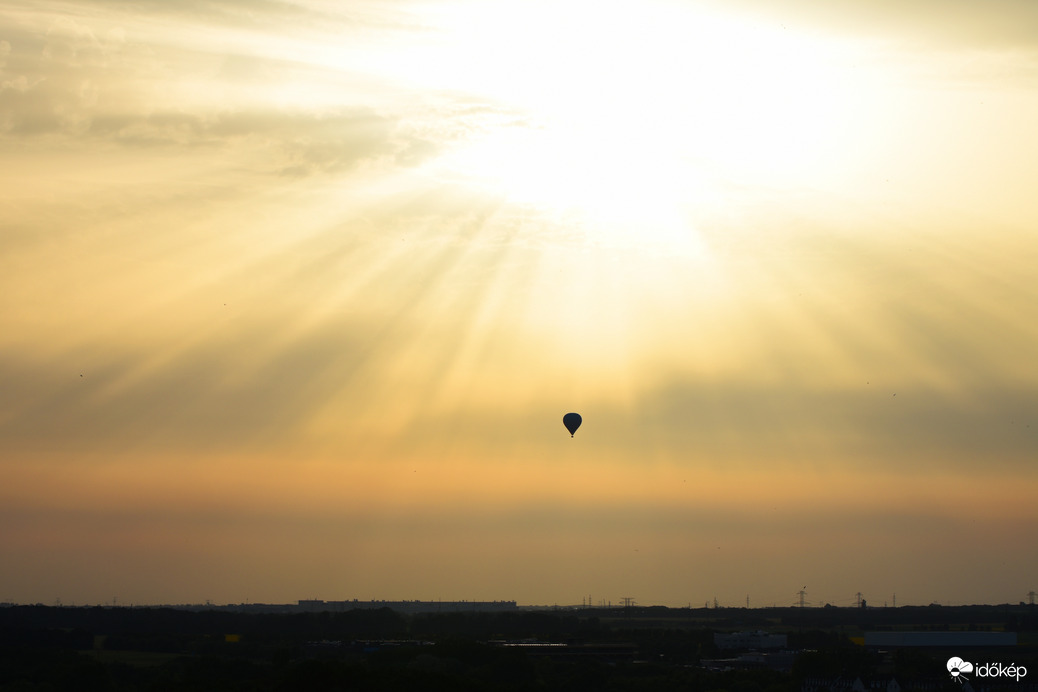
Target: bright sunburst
(635,121)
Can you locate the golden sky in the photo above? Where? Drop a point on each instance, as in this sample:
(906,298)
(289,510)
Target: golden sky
(295,293)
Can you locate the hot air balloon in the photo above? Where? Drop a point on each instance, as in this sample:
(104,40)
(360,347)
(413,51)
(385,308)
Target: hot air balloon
(572,422)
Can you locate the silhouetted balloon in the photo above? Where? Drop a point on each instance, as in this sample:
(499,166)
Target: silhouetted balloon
(572,422)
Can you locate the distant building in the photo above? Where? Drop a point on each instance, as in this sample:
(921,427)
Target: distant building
(772,660)
(411,607)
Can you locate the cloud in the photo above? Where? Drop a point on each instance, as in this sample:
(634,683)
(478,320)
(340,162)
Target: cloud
(947,23)
(88,84)
(294,142)
(257,14)
(195,399)
(877,424)
(299,143)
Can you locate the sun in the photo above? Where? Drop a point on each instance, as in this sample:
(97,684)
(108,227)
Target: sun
(636,120)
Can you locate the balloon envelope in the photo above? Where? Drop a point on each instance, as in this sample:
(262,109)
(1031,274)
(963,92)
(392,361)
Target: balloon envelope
(572,422)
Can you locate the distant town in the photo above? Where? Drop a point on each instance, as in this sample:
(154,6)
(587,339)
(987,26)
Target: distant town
(500,645)
(312,605)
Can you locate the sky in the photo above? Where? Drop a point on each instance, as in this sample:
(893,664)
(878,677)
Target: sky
(295,293)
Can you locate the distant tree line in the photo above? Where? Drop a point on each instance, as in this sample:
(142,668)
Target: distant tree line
(128,649)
